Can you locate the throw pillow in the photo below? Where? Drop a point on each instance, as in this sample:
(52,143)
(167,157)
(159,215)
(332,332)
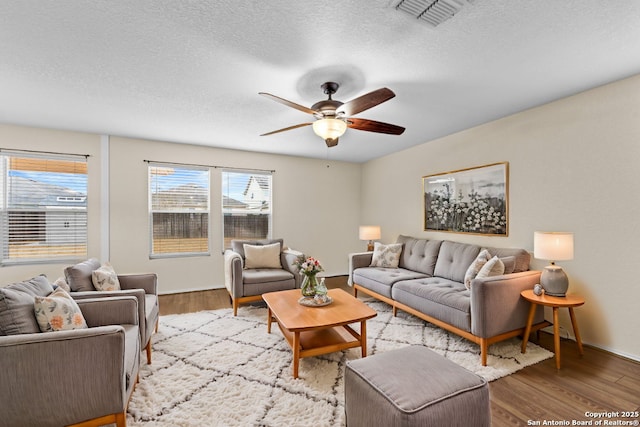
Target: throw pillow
(386,256)
(16,305)
(60,282)
(493,267)
(58,312)
(262,256)
(79,276)
(105,278)
(509,264)
(475,267)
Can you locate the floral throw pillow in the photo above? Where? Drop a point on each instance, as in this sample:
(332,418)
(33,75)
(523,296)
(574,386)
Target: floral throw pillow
(105,278)
(387,256)
(483,257)
(58,312)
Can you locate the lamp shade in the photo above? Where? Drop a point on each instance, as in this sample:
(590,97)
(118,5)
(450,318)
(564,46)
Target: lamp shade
(553,245)
(369,232)
(329,128)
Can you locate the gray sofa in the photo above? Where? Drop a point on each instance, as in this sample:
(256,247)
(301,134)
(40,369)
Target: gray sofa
(429,283)
(68,377)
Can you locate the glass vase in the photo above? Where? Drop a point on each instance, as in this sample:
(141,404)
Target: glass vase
(309,285)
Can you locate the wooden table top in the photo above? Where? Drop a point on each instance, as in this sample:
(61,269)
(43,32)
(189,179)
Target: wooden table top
(571,300)
(344,309)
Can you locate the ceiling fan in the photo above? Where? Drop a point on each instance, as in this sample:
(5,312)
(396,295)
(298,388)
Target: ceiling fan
(333,117)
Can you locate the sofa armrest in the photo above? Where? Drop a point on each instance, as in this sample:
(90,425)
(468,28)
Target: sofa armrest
(64,377)
(118,310)
(147,281)
(358,260)
(287,258)
(496,304)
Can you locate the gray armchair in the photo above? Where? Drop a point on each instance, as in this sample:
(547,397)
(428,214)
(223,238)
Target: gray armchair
(248,284)
(142,286)
(81,377)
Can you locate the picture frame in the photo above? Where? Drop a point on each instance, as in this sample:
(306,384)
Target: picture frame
(473,200)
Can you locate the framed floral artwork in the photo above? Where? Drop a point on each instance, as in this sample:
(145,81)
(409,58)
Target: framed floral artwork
(473,200)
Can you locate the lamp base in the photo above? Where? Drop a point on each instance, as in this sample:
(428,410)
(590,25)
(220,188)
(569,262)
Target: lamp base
(370,246)
(554,281)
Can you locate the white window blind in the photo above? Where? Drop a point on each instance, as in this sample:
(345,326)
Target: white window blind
(179,210)
(43,207)
(246,205)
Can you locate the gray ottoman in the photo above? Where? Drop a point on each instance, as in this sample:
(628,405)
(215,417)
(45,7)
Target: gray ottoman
(414,386)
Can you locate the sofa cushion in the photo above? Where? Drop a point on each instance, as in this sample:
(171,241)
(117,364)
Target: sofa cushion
(476,266)
(58,312)
(443,299)
(522,261)
(259,275)
(380,280)
(237,245)
(79,276)
(419,254)
(493,267)
(105,278)
(262,256)
(16,305)
(386,255)
(454,259)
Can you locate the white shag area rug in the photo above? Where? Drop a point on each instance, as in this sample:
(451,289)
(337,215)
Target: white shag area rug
(212,369)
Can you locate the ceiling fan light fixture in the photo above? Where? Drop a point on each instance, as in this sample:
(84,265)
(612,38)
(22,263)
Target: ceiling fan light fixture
(329,128)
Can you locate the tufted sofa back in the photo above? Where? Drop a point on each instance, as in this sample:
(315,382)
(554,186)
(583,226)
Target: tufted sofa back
(450,260)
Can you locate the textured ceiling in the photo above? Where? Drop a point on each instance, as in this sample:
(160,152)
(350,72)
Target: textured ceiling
(190,71)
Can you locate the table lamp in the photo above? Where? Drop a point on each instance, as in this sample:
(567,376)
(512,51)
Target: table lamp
(553,246)
(370,233)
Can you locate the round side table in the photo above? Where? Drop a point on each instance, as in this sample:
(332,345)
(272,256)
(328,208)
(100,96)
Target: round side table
(568,301)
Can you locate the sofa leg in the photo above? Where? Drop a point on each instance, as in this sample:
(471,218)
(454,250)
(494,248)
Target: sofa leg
(149,352)
(235,307)
(395,311)
(121,419)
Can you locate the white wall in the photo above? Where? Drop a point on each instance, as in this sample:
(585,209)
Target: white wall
(316,205)
(574,166)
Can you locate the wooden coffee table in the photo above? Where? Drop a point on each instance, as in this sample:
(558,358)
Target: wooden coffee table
(311,331)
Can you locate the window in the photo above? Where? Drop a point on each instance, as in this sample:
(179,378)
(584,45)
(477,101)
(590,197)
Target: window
(43,207)
(179,210)
(246,205)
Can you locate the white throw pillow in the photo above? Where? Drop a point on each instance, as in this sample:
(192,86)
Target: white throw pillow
(475,267)
(62,283)
(58,312)
(262,256)
(387,256)
(105,278)
(493,267)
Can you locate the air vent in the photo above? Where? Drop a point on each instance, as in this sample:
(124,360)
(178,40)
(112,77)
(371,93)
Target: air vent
(433,12)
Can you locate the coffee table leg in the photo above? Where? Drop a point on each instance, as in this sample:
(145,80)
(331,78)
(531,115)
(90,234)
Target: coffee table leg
(363,337)
(296,353)
(269,320)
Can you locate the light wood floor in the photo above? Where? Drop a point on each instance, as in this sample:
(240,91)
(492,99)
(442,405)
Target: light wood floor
(596,382)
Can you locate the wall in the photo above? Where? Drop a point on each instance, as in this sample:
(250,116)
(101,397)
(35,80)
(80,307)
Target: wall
(316,205)
(573,167)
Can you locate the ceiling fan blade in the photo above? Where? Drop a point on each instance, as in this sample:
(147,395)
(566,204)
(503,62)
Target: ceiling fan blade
(374,126)
(287,128)
(288,103)
(365,102)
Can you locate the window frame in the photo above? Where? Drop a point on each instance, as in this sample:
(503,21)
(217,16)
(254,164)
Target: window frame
(151,211)
(225,172)
(76,238)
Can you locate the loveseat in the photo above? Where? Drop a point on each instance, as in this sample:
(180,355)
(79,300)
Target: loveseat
(427,279)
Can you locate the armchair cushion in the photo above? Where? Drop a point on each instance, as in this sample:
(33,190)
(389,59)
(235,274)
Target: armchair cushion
(238,245)
(58,312)
(16,305)
(79,276)
(262,256)
(105,278)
